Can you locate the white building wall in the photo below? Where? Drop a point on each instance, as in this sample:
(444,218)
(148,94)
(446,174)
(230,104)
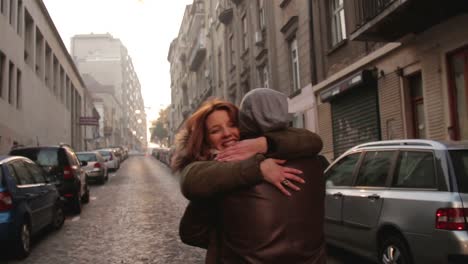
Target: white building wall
(42,117)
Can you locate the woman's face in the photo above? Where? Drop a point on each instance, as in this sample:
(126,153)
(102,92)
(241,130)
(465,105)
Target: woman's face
(222,132)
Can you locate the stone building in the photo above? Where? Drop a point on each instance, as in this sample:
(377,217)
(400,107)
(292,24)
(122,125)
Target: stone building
(109,74)
(355,71)
(226,48)
(390,70)
(42,95)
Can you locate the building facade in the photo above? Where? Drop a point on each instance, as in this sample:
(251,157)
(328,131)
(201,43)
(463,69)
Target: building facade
(225,48)
(355,71)
(109,74)
(385,78)
(42,95)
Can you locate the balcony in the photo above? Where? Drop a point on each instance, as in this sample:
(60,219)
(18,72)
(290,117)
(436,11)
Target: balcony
(198,51)
(225,12)
(390,20)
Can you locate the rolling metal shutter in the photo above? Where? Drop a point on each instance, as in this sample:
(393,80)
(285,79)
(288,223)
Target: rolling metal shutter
(355,117)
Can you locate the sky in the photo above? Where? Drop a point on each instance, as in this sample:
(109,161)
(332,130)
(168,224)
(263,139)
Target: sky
(145,27)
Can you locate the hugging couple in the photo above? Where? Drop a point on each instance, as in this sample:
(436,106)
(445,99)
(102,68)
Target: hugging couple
(255,185)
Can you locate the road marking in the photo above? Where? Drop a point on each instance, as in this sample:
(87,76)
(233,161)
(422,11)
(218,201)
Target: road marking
(76,218)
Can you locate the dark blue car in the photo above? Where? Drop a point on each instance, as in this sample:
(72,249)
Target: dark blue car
(29,202)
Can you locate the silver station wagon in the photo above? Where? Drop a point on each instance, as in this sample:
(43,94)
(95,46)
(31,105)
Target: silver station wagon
(400,201)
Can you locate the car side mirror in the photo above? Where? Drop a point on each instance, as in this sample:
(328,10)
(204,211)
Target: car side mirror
(84,163)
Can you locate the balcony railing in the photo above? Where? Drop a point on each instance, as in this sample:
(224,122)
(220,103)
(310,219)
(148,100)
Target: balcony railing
(390,20)
(224,11)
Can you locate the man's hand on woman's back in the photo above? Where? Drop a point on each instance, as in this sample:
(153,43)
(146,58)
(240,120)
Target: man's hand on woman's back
(243,150)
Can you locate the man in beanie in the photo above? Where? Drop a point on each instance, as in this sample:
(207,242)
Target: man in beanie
(259,224)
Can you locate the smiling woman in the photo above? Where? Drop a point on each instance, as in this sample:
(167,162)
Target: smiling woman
(222,132)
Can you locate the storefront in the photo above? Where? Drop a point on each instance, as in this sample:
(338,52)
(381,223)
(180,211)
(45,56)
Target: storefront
(354,110)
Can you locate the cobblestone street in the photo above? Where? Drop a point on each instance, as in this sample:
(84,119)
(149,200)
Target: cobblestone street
(133,218)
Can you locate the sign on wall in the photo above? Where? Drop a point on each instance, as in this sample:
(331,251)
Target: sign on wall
(89,121)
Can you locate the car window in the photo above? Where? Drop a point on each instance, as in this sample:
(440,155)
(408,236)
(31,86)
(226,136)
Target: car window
(86,156)
(105,153)
(22,174)
(36,172)
(341,173)
(415,169)
(374,169)
(47,157)
(460,165)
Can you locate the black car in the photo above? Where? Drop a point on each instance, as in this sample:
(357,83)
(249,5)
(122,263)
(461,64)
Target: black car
(61,162)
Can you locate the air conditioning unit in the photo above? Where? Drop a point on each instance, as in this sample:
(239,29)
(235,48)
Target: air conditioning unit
(258,38)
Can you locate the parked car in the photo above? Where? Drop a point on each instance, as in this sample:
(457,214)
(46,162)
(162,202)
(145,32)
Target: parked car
(96,168)
(29,202)
(61,162)
(112,162)
(400,201)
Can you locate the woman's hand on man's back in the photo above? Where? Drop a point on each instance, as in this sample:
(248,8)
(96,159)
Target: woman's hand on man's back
(280,176)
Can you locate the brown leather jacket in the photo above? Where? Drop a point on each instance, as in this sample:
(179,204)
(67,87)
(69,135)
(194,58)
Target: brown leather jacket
(256,224)
(261,225)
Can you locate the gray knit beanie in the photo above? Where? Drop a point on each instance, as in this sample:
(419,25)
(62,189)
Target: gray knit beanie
(263,110)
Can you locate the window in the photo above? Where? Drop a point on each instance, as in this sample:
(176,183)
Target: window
(298,120)
(231,49)
(39,53)
(460,165)
(261,13)
(11,82)
(19,16)
(374,168)
(220,69)
(245,42)
(295,65)
(36,172)
(21,174)
(338,24)
(458,71)
(18,88)
(48,66)
(415,170)
(417,105)
(2,6)
(61,84)
(2,73)
(12,9)
(55,75)
(29,38)
(263,74)
(341,174)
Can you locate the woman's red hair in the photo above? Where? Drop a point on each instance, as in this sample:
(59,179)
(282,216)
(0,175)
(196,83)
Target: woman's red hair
(191,141)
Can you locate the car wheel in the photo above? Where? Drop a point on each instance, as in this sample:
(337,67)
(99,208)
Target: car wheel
(85,197)
(23,241)
(393,250)
(59,218)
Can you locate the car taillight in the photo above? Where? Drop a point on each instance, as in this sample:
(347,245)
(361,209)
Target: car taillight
(6,202)
(67,172)
(451,218)
(97,165)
